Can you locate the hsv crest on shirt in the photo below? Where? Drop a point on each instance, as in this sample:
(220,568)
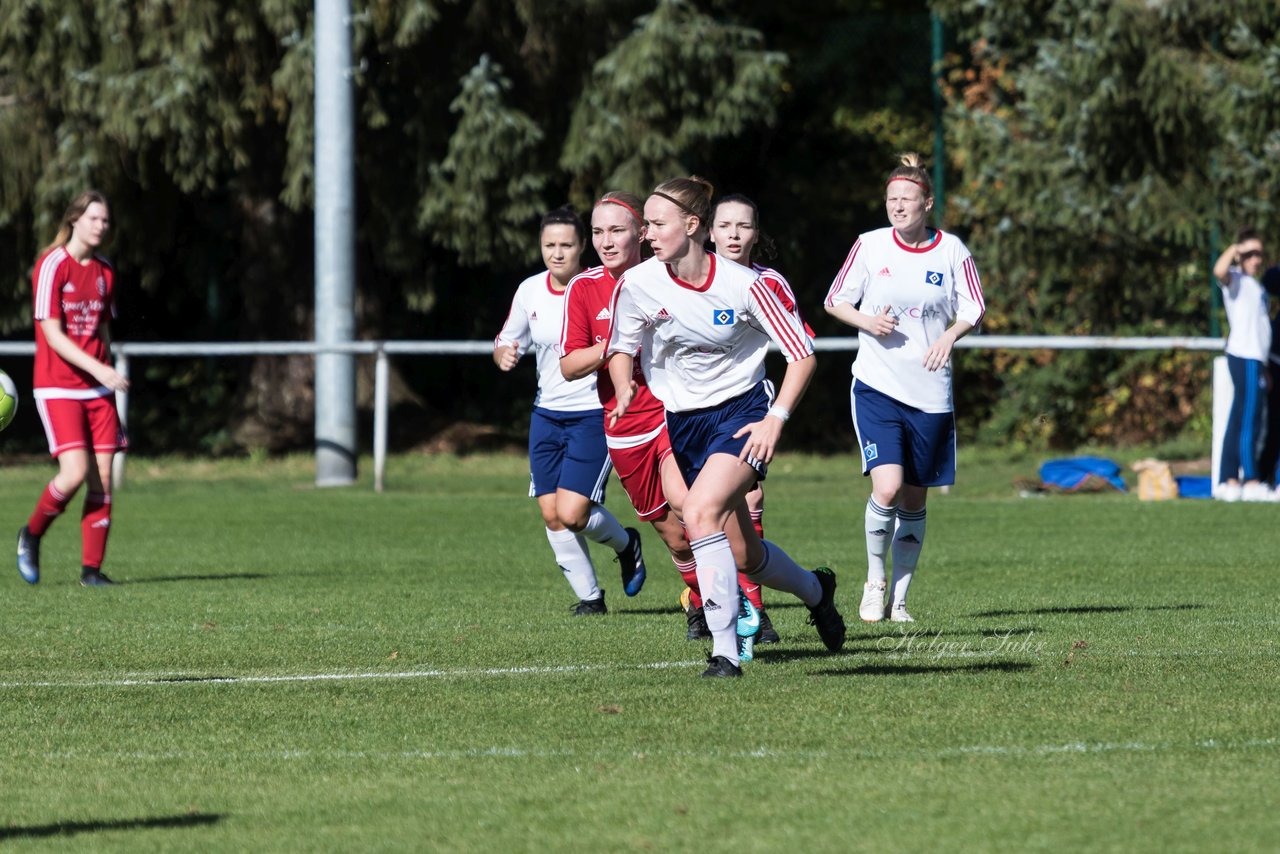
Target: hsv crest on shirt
(709,340)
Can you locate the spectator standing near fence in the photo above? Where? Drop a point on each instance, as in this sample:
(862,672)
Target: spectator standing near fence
(1248,346)
(911,291)
(568,460)
(74,384)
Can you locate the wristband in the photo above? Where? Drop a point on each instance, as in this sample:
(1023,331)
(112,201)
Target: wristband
(779,412)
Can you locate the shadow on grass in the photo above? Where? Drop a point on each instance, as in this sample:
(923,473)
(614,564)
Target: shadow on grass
(920,669)
(223,576)
(1087,609)
(70,828)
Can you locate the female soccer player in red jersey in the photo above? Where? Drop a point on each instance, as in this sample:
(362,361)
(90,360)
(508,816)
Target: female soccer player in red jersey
(568,460)
(911,291)
(705,326)
(736,234)
(74,386)
(638,443)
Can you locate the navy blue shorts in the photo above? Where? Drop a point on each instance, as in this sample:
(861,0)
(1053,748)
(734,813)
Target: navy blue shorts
(567,451)
(892,433)
(699,433)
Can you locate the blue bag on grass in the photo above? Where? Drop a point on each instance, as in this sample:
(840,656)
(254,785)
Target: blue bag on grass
(1074,474)
(1194,486)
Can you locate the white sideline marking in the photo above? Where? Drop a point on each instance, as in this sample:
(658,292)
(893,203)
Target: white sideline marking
(992,750)
(178,679)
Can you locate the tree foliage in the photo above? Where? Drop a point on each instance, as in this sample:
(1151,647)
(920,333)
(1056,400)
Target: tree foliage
(1099,142)
(194,116)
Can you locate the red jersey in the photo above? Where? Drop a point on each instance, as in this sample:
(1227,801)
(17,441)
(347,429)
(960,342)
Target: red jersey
(80,296)
(586,323)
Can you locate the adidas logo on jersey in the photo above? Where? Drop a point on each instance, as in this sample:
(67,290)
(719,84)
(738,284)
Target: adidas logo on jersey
(662,315)
(884,272)
(604,314)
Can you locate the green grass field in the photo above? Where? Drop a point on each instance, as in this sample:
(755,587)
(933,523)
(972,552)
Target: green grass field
(287,668)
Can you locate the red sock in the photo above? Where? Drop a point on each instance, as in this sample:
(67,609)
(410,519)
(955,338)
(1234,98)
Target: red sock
(757,522)
(95,524)
(751,589)
(51,505)
(689,572)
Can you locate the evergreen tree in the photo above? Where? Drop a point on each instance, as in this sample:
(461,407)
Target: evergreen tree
(1098,142)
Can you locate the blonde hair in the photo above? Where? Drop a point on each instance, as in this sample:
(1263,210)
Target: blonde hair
(912,169)
(692,195)
(74,211)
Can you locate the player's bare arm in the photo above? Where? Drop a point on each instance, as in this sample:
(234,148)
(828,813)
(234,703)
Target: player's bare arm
(73,355)
(584,362)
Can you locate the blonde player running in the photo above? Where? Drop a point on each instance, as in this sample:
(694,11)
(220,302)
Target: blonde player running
(568,461)
(911,291)
(710,322)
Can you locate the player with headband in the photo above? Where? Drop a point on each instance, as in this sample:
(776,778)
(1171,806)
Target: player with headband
(709,323)
(638,443)
(911,291)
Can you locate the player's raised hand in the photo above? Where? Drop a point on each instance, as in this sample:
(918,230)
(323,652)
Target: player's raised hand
(883,323)
(508,356)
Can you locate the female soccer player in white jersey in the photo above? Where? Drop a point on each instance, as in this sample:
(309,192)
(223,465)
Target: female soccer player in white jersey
(709,322)
(735,232)
(75,385)
(638,443)
(911,292)
(568,460)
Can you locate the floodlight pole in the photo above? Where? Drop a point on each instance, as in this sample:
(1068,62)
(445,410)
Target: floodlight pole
(335,387)
(939,133)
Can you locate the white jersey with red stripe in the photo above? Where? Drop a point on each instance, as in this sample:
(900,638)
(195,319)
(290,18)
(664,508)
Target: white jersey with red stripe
(780,286)
(535,320)
(927,289)
(708,342)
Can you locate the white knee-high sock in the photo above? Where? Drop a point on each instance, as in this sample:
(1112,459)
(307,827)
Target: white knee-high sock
(879,526)
(780,572)
(908,539)
(603,528)
(718,581)
(575,562)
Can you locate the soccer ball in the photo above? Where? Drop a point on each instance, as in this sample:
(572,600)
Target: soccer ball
(8,400)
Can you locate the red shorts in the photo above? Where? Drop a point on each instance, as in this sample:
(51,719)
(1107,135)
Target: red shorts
(71,424)
(638,462)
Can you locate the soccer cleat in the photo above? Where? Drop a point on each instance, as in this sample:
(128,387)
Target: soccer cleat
(1228,492)
(90,577)
(824,616)
(872,608)
(748,617)
(899,614)
(590,607)
(748,627)
(697,625)
(719,666)
(768,634)
(632,561)
(28,556)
